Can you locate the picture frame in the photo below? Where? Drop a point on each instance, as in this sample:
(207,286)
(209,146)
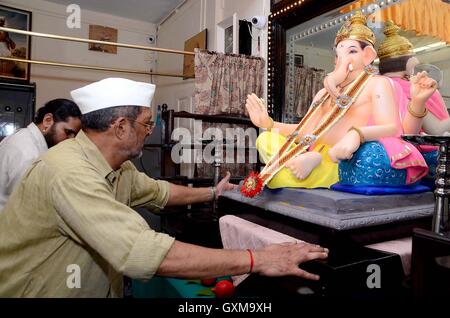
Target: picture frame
(198,41)
(14,45)
(298,60)
(229,40)
(227,35)
(103,33)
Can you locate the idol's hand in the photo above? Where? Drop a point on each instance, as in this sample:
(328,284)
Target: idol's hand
(422,87)
(257,112)
(346,147)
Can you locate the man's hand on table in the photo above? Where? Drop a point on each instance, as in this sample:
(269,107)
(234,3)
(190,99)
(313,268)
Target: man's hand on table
(283,259)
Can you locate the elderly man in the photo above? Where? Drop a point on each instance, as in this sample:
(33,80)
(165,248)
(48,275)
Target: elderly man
(79,221)
(56,121)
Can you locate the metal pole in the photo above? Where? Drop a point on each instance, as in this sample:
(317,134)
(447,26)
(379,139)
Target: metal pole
(88,67)
(217,164)
(74,39)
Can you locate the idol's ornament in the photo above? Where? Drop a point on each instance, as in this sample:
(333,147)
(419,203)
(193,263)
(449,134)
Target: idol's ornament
(354,29)
(394,45)
(253,185)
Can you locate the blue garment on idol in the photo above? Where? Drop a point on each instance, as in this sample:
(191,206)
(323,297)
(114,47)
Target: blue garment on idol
(370,166)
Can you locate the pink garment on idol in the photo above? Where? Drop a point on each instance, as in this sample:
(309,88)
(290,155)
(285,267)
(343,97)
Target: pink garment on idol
(435,104)
(402,154)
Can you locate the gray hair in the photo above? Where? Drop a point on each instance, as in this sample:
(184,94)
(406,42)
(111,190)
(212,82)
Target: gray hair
(101,120)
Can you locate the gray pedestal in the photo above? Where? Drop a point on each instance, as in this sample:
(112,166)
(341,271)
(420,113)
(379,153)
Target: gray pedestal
(339,210)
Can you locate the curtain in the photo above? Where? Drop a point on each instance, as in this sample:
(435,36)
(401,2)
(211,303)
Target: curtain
(308,81)
(430,17)
(222,83)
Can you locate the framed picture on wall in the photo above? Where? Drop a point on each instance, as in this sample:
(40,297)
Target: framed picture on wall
(198,41)
(14,45)
(228,41)
(102,33)
(298,60)
(227,35)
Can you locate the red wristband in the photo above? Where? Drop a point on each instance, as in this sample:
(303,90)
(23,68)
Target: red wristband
(251,260)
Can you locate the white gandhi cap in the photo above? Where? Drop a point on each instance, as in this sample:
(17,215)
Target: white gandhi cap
(112,92)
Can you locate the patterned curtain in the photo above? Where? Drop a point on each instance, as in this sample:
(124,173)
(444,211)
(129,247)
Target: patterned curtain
(222,83)
(308,82)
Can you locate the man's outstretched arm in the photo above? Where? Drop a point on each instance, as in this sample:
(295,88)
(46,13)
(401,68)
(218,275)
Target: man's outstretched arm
(181,195)
(191,261)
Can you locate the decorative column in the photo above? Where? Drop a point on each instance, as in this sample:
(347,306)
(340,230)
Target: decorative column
(441,221)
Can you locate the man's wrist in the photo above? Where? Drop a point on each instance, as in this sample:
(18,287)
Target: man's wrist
(213,193)
(255,256)
(252,261)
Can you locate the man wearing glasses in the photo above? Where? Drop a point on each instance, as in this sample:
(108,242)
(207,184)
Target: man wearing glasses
(81,216)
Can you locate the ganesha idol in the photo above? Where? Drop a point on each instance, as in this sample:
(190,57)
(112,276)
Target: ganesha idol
(350,135)
(430,116)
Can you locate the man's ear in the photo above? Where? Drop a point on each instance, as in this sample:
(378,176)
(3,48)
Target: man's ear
(369,55)
(121,127)
(47,121)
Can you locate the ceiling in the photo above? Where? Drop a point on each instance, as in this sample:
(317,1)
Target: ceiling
(152,11)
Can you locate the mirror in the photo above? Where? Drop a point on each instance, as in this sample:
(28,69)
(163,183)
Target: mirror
(309,54)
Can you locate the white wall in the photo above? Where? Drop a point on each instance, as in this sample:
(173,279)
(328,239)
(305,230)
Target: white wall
(192,18)
(316,57)
(55,82)
(187,22)
(178,94)
(246,9)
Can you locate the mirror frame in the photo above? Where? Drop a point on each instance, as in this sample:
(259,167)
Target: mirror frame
(284,15)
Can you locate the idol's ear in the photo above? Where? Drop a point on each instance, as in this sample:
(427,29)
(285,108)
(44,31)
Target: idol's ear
(369,55)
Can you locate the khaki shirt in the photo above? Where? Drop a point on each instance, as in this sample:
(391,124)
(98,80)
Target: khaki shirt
(68,229)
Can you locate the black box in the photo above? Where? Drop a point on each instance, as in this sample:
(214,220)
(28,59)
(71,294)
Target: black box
(357,273)
(17,103)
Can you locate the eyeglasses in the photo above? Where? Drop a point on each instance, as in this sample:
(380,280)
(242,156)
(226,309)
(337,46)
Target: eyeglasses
(149,126)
